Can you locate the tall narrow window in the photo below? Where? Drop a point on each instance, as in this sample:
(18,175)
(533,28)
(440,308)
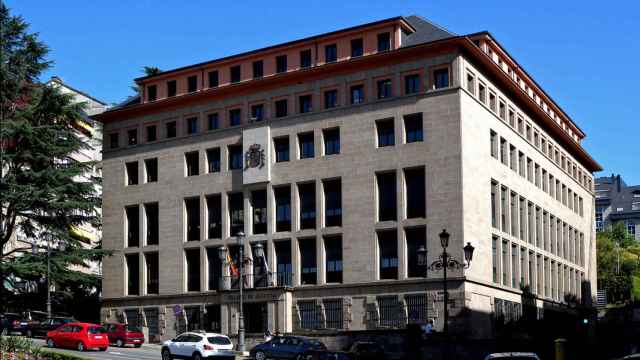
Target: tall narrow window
(213,79)
(384,42)
(214,265)
(283,208)
(132,172)
(235,157)
(260,270)
(258,71)
(192,259)
(305,58)
(213,160)
(281,146)
(441,78)
(330,53)
(153,272)
(281,63)
(482,93)
(415,238)
(505,262)
(152,223)
(192,218)
(234,73)
(471,83)
(413,128)
(356,47)
(493,138)
(513,215)
(152,93)
(357,94)
(133,274)
(152,133)
(132,137)
(411,84)
(386,196)
(494,204)
(384,88)
(504,155)
(281,108)
(284,268)
(331,141)
(305,104)
(151,169)
(236,213)
(514,266)
(259,211)
(213,121)
(386,134)
(494,258)
(332,202)
(308,261)
(171,129)
(305,145)
(307,194)
(415,192)
(330,99)
(114,141)
(171,88)
(504,210)
(523,219)
(133,226)
(192,125)
(257,112)
(192,163)
(333,254)
(214,216)
(235,117)
(388,254)
(192,83)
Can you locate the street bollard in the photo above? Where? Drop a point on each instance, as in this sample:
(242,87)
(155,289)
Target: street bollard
(561,349)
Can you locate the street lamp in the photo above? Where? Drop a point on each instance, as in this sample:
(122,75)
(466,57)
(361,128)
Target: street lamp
(61,247)
(240,237)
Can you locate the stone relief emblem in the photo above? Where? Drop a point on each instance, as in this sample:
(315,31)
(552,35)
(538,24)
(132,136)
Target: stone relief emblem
(254,157)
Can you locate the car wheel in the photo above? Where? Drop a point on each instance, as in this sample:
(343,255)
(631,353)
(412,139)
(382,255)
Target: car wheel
(197,356)
(80,346)
(119,343)
(260,355)
(166,354)
(51,343)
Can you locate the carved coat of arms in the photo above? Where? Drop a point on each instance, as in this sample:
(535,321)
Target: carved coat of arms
(254,157)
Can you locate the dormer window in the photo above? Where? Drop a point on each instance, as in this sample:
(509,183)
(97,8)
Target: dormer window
(171,88)
(384,42)
(152,93)
(192,83)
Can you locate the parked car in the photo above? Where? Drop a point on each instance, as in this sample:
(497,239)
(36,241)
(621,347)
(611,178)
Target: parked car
(124,334)
(9,323)
(512,356)
(30,319)
(365,350)
(197,346)
(41,328)
(80,336)
(287,347)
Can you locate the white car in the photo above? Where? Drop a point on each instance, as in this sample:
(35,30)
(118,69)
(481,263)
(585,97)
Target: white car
(512,356)
(197,346)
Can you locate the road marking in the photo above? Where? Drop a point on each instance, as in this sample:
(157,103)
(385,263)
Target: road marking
(115,353)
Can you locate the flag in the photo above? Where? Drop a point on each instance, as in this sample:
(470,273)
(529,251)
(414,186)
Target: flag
(232,266)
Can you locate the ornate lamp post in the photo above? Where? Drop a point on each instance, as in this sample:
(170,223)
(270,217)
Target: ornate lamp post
(222,254)
(444,262)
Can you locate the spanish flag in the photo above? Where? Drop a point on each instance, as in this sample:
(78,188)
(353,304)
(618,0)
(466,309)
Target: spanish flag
(232,266)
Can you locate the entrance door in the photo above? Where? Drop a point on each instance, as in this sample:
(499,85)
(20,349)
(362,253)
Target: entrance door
(212,319)
(152,322)
(255,317)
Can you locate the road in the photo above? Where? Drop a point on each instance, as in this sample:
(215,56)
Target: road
(146,352)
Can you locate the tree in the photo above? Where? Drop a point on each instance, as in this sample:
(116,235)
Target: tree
(44,192)
(148,71)
(618,257)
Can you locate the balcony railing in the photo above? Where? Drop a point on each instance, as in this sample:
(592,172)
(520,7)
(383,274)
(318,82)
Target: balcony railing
(259,281)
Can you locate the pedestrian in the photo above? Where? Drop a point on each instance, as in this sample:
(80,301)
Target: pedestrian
(267,336)
(428,328)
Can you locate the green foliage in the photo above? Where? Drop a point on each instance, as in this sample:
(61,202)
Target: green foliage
(147,71)
(52,355)
(618,263)
(23,348)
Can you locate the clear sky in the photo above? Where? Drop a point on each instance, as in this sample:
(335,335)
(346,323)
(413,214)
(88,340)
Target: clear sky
(584,53)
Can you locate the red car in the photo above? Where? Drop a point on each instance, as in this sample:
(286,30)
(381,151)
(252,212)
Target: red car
(124,334)
(80,336)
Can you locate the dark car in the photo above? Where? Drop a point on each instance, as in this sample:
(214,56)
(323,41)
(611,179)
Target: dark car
(41,328)
(288,347)
(362,350)
(30,319)
(9,323)
(124,334)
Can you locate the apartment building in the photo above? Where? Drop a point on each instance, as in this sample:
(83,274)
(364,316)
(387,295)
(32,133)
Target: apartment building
(340,155)
(617,202)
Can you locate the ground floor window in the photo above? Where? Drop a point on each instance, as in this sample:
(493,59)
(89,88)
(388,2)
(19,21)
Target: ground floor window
(333,313)
(310,315)
(255,317)
(152,323)
(391,311)
(416,308)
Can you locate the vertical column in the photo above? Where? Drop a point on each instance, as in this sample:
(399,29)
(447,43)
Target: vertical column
(320,259)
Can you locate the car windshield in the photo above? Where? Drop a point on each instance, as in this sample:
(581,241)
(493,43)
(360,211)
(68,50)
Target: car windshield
(219,340)
(95,330)
(132,328)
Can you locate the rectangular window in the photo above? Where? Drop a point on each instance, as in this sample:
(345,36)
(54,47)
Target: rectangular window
(151,169)
(213,160)
(214,217)
(331,141)
(384,42)
(132,137)
(494,258)
(281,146)
(415,192)
(330,99)
(388,254)
(214,265)
(235,117)
(384,88)
(258,71)
(523,269)
(235,157)
(441,78)
(132,172)
(504,209)
(493,139)
(386,136)
(152,93)
(192,218)
(152,133)
(133,225)
(305,144)
(415,238)
(532,273)
(171,88)
(114,142)
(494,204)
(387,207)
(514,266)
(504,157)
(257,112)
(236,213)
(259,211)
(305,59)
(482,92)
(171,128)
(502,110)
(192,125)
(492,101)
(234,73)
(512,118)
(333,253)
(305,104)
(133,274)
(192,83)
(523,218)
(332,203)
(413,128)
(284,268)
(357,48)
(283,208)
(153,272)
(152,223)
(471,83)
(281,64)
(281,108)
(213,79)
(260,271)
(513,215)
(192,163)
(213,121)
(412,84)
(307,195)
(330,53)
(505,263)
(192,259)
(357,94)
(513,158)
(308,261)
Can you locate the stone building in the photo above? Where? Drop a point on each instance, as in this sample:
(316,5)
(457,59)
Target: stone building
(341,154)
(617,202)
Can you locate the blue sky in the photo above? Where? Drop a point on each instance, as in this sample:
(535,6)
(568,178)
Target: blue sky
(582,53)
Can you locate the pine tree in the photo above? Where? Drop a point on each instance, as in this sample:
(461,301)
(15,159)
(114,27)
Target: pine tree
(44,191)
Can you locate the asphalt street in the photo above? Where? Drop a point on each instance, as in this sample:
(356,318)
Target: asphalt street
(146,352)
